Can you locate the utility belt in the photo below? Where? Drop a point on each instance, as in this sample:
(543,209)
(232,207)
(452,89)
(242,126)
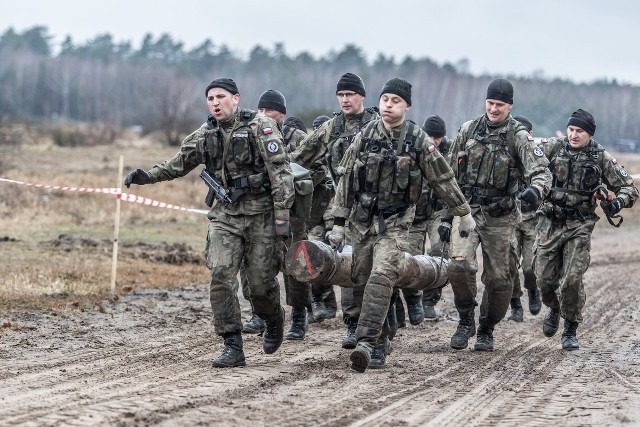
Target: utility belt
(367,207)
(560,213)
(527,207)
(497,202)
(251,186)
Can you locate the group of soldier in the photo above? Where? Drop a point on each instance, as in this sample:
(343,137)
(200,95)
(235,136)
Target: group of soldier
(383,185)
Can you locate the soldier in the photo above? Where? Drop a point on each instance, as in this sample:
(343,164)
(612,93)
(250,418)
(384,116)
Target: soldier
(429,213)
(488,155)
(319,121)
(273,104)
(524,239)
(583,171)
(321,150)
(245,155)
(383,173)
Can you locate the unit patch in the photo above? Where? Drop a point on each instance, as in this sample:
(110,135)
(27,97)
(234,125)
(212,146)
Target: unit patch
(538,152)
(273,146)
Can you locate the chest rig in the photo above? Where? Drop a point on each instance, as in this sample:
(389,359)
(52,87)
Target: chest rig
(232,157)
(577,174)
(387,177)
(488,170)
(342,137)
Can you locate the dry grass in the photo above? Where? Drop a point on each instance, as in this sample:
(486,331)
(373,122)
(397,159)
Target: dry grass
(39,269)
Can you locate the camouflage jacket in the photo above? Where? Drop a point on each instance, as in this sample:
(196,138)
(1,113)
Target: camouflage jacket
(429,203)
(579,173)
(292,137)
(255,156)
(382,170)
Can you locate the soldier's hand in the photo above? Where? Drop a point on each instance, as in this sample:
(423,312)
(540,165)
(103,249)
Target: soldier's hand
(138,176)
(336,237)
(613,207)
(444,230)
(531,196)
(283,229)
(467,225)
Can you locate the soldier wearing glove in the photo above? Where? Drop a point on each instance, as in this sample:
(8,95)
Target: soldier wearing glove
(245,155)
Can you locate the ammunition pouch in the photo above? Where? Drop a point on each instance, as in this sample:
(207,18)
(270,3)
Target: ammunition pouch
(561,214)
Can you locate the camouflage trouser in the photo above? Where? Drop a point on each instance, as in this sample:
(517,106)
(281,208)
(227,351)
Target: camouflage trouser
(495,235)
(298,294)
(377,263)
(562,257)
(437,248)
(415,246)
(247,240)
(525,237)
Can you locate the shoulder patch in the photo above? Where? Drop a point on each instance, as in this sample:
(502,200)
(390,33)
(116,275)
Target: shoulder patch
(614,161)
(538,152)
(529,137)
(544,140)
(267,131)
(623,172)
(431,148)
(273,147)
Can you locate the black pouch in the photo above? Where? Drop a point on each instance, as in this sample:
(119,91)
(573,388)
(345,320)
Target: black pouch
(501,207)
(365,207)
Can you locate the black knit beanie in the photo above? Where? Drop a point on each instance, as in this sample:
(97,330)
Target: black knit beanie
(296,122)
(350,81)
(501,90)
(318,121)
(584,120)
(399,87)
(435,127)
(224,83)
(525,122)
(273,100)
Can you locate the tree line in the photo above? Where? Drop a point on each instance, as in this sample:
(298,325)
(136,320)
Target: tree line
(160,85)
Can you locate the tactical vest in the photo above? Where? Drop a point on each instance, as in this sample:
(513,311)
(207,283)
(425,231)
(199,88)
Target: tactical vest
(386,178)
(575,178)
(287,134)
(488,171)
(243,167)
(341,138)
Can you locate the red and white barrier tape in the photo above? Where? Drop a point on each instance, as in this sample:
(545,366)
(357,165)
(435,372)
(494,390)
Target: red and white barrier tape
(115,191)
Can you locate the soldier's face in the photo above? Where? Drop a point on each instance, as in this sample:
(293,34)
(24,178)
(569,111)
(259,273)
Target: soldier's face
(350,102)
(578,137)
(393,110)
(497,111)
(437,140)
(275,115)
(222,103)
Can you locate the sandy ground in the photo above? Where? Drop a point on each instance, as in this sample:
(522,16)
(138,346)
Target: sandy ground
(146,359)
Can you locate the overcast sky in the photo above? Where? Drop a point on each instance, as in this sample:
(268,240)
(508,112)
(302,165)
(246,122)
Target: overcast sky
(581,40)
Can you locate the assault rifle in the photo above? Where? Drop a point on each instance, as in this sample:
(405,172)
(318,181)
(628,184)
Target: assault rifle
(216,190)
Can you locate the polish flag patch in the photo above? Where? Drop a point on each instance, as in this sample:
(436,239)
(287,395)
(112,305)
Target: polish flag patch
(267,131)
(431,148)
(529,137)
(615,161)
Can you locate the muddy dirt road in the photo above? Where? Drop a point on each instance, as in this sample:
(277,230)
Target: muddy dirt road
(145,359)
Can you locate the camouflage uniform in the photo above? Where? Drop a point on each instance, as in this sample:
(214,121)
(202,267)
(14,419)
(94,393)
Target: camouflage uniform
(525,236)
(488,160)
(322,152)
(383,179)
(243,232)
(567,219)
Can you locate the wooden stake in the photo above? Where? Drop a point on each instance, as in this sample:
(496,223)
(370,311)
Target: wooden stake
(116,230)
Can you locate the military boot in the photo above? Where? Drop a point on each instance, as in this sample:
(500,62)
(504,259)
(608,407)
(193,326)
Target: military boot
(429,311)
(535,304)
(551,322)
(380,353)
(330,303)
(466,329)
(484,340)
(298,326)
(310,318)
(416,312)
(273,333)
(569,339)
(255,325)
(360,358)
(318,308)
(400,317)
(349,340)
(517,313)
(232,354)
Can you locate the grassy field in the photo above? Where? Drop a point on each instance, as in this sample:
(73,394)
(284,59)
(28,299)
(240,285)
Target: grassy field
(56,246)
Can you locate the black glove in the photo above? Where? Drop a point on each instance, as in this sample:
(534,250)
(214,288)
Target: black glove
(444,230)
(283,230)
(139,177)
(531,196)
(613,207)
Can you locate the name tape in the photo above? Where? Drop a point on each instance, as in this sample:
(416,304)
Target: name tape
(127,197)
